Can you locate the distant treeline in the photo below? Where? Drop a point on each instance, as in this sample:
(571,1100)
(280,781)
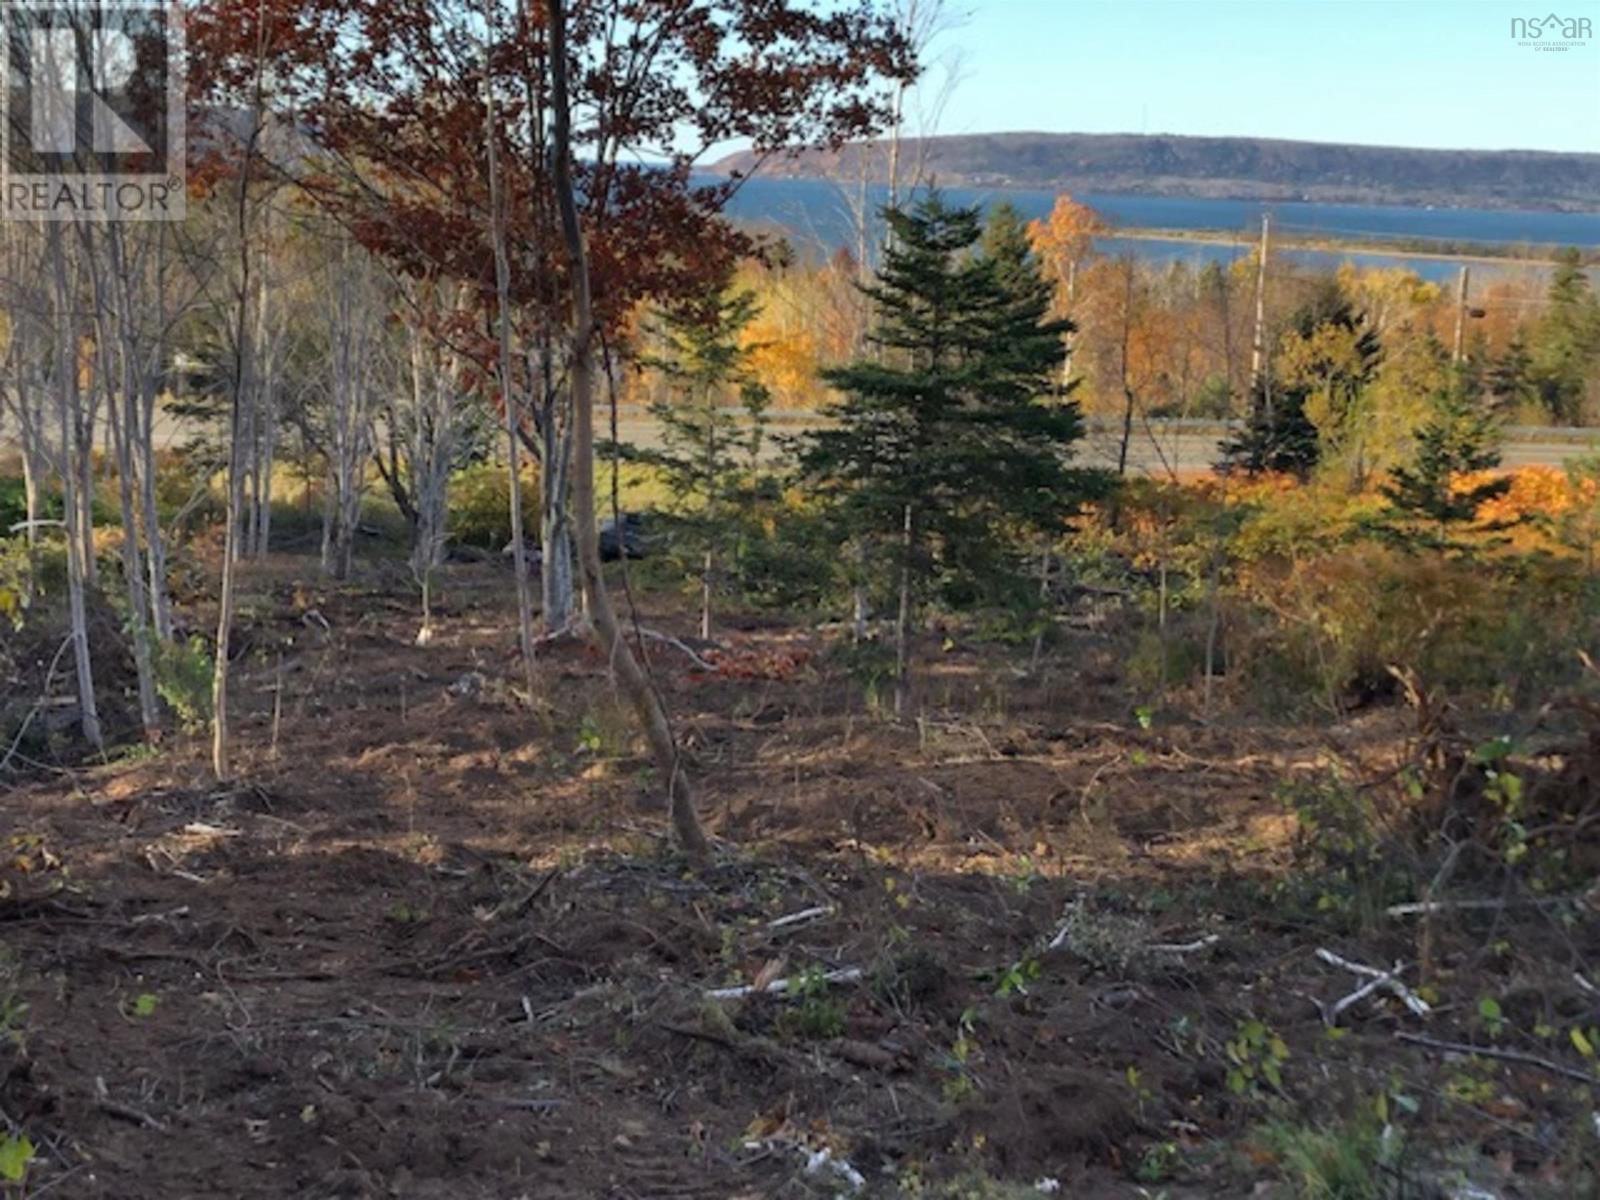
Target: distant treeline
(1226,168)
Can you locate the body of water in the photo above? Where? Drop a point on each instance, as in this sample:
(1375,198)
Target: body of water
(817,215)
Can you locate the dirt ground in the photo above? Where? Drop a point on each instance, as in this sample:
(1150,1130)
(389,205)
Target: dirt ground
(432,942)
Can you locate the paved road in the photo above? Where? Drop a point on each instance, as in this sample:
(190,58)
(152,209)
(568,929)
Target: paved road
(1155,450)
(1187,447)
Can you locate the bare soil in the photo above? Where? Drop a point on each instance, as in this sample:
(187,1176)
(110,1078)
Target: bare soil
(432,943)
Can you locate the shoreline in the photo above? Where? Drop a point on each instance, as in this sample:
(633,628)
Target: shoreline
(719,172)
(1479,254)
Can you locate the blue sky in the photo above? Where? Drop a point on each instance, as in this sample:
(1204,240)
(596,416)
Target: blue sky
(1383,72)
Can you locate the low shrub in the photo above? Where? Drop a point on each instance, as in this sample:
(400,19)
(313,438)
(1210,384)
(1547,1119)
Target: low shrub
(480,505)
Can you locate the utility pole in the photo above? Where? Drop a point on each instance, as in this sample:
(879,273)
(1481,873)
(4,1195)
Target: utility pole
(1461,314)
(1260,386)
(1258,342)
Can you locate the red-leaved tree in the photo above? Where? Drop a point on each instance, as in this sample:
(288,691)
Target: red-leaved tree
(389,100)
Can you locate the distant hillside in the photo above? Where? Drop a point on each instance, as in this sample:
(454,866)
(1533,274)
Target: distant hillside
(1224,168)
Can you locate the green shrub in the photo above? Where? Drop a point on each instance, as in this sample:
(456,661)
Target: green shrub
(1335,624)
(815,1013)
(480,505)
(1173,661)
(183,679)
(1351,852)
(13,502)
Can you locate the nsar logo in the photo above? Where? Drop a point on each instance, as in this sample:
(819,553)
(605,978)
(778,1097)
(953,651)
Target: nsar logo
(1552,32)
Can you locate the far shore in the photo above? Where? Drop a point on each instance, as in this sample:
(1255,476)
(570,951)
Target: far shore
(1510,255)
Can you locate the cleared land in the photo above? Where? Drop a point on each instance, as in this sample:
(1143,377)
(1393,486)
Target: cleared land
(432,943)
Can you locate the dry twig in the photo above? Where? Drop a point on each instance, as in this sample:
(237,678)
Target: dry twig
(1516,1056)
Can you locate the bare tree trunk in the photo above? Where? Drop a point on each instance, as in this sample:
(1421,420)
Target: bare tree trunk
(1044,598)
(80,533)
(631,677)
(705,597)
(145,416)
(132,560)
(508,383)
(430,446)
(248,477)
(329,510)
(858,550)
(31,487)
(902,625)
(555,525)
(1122,358)
(220,764)
(243,367)
(118,348)
(84,413)
(353,334)
(266,431)
(31,425)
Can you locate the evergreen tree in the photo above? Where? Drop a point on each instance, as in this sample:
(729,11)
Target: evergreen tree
(1459,438)
(1279,434)
(1006,244)
(954,433)
(710,457)
(1277,437)
(1567,341)
(1511,384)
(1473,371)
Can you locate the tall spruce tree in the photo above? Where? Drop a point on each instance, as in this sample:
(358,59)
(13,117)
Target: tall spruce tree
(954,435)
(713,422)
(1566,343)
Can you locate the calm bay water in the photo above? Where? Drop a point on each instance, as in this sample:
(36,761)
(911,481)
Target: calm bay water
(816,215)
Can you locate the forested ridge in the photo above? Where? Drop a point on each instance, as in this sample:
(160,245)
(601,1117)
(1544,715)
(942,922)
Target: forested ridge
(1244,168)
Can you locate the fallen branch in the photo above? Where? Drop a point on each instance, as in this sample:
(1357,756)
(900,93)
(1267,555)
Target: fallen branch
(802,917)
(145,918)
(579,631)
(780,986)
(678,644)
(572,631)
(1516,1056)
(115,1108)
(1210,939)
(1429,907)
(1382,979)
(1330,1016)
